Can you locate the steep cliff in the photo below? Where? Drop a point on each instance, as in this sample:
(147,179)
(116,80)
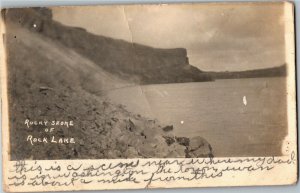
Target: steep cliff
(134,62)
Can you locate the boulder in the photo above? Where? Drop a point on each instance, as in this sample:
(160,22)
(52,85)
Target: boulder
(169,140)
(198,147)
(176,151)
(196,142)
(183,141)
(168,128)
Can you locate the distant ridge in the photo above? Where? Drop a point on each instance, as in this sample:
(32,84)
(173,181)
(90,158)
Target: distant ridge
(134,62)
(266,72)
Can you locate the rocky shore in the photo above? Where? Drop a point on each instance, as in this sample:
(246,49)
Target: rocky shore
(101,130)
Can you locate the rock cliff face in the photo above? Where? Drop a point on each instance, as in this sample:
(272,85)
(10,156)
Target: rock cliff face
(134,62)
(48,80)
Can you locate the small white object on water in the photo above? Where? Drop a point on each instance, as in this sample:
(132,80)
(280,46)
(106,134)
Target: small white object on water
(181,122)
(245,100)
(34,25)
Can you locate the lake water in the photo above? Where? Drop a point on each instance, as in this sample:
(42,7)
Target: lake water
(238,117)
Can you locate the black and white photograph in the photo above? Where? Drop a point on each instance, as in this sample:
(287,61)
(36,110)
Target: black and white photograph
(146,81)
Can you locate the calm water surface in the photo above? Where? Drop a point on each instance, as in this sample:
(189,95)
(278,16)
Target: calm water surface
(238,117)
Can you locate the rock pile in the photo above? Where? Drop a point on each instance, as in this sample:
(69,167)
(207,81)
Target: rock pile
(127,135)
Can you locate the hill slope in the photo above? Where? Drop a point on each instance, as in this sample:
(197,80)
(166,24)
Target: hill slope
(131,61)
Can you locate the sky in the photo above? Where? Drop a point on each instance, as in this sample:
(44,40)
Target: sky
(218,37)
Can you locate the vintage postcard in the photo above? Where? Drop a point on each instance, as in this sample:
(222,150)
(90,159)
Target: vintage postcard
(148,96)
